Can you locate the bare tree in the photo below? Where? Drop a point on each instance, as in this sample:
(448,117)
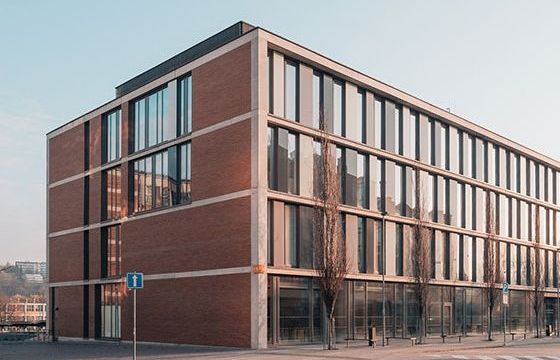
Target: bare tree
(536,295)
(329,252)
(421,256)
(492,275)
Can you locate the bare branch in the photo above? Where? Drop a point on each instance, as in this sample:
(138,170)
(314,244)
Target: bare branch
(329,252)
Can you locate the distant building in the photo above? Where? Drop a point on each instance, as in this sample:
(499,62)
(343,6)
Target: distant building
(33,268)
(26,309)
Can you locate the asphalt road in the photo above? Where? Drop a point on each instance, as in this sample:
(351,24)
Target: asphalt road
(535,349)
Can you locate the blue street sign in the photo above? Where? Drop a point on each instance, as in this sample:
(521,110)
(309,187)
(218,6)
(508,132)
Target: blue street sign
(505,288)
(134,280)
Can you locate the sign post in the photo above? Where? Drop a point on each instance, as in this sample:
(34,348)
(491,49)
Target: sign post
(134,281)
(505,303)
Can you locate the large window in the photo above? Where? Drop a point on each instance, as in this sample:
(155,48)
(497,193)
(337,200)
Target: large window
(291,242)
(283,160)
(111,194)
(152,124)
(111,130)
(111,251)
(362,180)
(156,176)
(185,105)
(110,311)
(184,174)
(291,90)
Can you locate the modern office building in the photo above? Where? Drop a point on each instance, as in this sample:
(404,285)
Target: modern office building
(200,174)
(36,270)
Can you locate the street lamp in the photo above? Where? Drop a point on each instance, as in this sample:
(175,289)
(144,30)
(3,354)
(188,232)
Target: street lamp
(383,267)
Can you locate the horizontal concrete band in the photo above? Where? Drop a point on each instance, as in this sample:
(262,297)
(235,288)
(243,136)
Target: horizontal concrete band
(207,130)
(300,200)
(194,204)
(164,276)
(340,140)
(397,279)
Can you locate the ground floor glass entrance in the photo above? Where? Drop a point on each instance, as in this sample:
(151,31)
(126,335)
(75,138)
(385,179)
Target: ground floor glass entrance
(296,313)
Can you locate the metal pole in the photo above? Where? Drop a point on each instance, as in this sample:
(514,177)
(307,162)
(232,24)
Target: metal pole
(134,329)
(383,267)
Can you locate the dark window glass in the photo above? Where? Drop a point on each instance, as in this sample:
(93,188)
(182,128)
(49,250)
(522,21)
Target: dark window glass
(185,105)
(283,160)
(399,250)
(111,194)
(185,173)
(362,180)
(155,178)
(152,124)
(111,136)
(110,311)
(111,251)
(362,241)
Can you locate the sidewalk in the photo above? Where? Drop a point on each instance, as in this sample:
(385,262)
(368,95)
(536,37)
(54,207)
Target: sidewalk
(401,348)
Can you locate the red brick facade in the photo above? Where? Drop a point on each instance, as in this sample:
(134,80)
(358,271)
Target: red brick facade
(212,235)
(66,154)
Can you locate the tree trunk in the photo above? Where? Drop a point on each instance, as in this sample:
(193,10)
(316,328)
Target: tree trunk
(331,333)
(489,324)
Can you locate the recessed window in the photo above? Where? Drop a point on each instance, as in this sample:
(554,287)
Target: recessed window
(152,124)
(110,311)
(185,105)
(111,251)
(155,178)
(111,131)
(111,194)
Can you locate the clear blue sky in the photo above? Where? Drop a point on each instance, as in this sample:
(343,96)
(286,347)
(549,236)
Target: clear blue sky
(494,62)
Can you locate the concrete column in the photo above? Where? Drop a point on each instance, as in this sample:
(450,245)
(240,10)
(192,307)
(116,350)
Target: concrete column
(352,243)
(305,95)
(328,103)
(491,164)
(437,141)
(171,130)
(424,139)
(278,84)
(390,187)
(370,124)
(523,175)
(390,131)
(407,250)
(467,156)
(453,216)
(391,251)
(352,121)
(407,132)
(373,178)
(305,165)
(441,194)
(439,243)
(278,234)
(453,150)
(454,256)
